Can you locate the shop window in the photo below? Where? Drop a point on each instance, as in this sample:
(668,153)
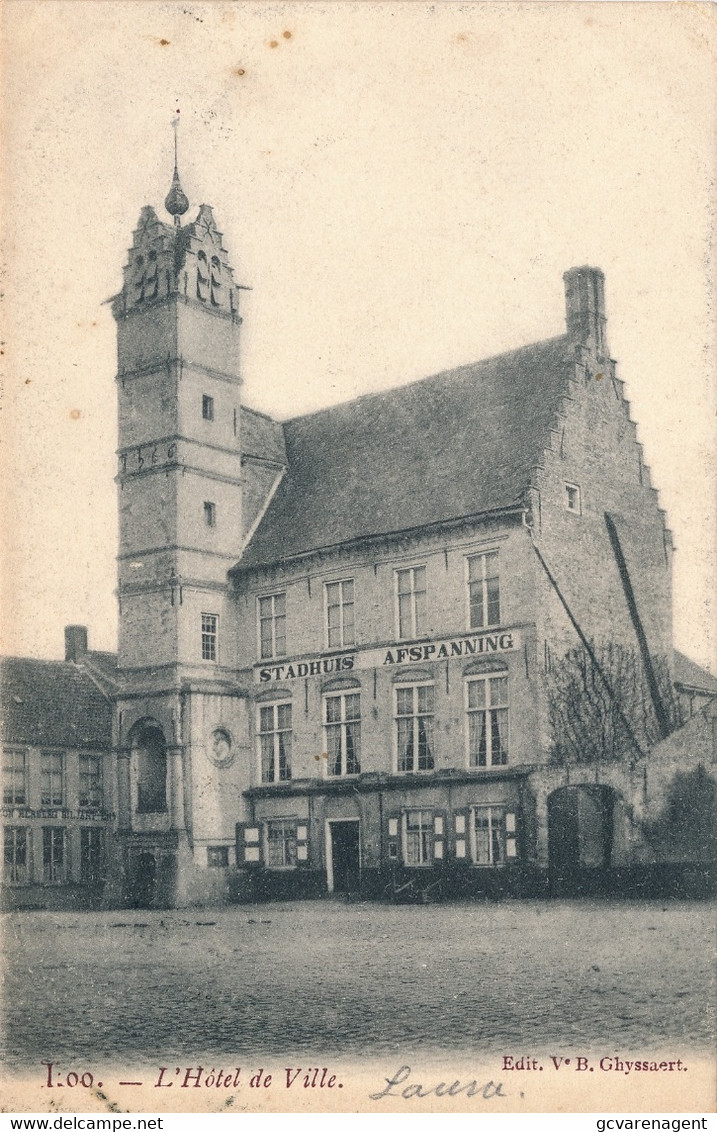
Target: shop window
(217,856)
(340,625)
(342,717)
(272,625)
(54,861)
(487,720)
(411,602)
(14,778)
(52,778)
(210,629)
(16,855)
(92,855)
(483,590)
(90,782)
(275,742)
(281,844)
(414,727)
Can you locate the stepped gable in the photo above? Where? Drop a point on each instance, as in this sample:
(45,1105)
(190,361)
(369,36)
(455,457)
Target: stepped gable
(461,443)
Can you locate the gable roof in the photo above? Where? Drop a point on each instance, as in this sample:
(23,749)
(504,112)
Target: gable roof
(52,703)
(458,444)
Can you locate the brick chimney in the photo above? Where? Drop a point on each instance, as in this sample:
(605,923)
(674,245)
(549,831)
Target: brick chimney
(585,307)
(75,642)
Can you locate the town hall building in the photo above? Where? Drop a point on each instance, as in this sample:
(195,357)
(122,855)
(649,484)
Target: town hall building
(343,636)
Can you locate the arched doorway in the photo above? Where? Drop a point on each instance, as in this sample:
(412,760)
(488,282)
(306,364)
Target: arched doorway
(580,839)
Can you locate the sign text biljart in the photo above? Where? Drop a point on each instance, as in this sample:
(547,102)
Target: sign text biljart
(484,644)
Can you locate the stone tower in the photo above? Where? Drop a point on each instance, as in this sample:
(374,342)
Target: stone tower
(180,524)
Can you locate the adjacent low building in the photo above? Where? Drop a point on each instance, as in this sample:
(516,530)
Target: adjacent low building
(414,645)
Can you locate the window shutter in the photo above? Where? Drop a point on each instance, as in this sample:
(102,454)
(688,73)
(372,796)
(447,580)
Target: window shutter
(302,843)
(439,837)
(249,842)
(393,837)
(511,836)
(461,845)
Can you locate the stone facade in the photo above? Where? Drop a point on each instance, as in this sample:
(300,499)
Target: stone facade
(338,633)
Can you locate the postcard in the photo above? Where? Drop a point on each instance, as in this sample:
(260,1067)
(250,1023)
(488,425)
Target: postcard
(358,692)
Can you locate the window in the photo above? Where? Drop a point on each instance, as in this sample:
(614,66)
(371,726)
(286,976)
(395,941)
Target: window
(51,779)
(207,407)
(209,636)
(414,727)
(15,869)
(53,855)
(487,710)
(272,626)
(343,733)
(411,601)
(275,742)
(91,855)
(483,590)
(572,498)
(418,837)
(90,782)
(217,856)
(340,626)
(210,514)
(488,835)
(281,844)
(14,778)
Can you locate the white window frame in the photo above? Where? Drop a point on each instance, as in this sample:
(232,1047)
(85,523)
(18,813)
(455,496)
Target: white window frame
(342,725)
(210,634)
(468,712)
(342,604)
(496,815)
(94,837)
(96,783)
(415,716)
(53,774)
(14,874)
(286,823)
(578,509)
(430,828)
(11,775)
(272,619)
(416,629)
(50,873)
(483,555)
(275,733)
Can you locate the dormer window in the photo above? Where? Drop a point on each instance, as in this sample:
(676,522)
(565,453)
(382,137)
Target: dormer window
(572,499)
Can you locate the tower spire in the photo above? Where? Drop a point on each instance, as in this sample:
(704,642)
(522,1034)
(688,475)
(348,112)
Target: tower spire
(176,202)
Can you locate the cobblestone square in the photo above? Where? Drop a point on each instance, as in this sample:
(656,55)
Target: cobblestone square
(321,977)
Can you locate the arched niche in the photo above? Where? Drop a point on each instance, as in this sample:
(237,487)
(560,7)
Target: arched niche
(149,759)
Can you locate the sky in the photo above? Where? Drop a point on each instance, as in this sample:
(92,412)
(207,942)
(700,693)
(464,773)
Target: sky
(401,185)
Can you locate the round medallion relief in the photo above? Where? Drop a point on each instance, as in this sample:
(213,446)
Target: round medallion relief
(221,748)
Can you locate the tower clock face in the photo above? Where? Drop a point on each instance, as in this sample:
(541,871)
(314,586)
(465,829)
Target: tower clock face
(221,748)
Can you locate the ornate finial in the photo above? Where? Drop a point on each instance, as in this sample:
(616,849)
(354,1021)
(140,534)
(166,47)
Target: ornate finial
(176,202)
